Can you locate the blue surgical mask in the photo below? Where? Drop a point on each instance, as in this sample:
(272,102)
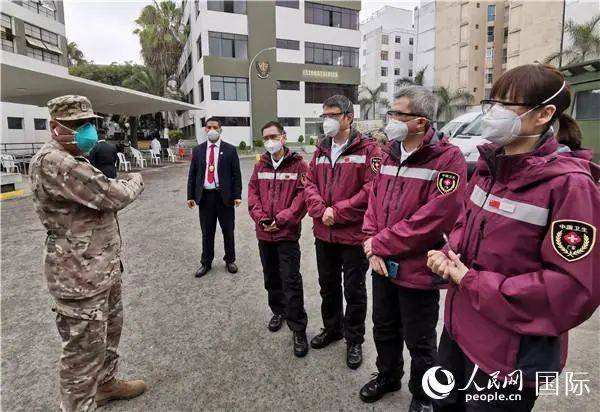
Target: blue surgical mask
(86,137)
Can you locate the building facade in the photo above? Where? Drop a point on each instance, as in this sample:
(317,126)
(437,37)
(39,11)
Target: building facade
(387,50)
(33,34)
(248,62)
(425,33)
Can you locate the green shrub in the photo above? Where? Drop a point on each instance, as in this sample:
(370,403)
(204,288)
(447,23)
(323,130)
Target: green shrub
(301,139)
(258,142)
(242,145)
(311,141)
(175,136)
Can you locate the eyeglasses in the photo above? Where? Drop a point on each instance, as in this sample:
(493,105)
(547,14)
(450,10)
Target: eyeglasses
(397,113)
(487,104)
(331,115)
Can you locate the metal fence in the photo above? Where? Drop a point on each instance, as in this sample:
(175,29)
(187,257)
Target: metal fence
(21,149)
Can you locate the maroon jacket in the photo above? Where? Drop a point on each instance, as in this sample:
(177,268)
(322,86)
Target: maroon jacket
(412,204)
(528,234)
(344,187)
(278,194)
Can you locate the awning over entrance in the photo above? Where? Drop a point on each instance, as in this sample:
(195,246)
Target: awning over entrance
(35,86)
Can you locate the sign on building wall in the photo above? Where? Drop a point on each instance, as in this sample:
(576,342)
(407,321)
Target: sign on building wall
(320,74)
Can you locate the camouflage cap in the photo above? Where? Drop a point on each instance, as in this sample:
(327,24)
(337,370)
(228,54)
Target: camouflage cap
(71,107)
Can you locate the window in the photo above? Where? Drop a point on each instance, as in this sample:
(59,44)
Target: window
(186,69)
(7,34)
(587,105)
(201,89)
(410,57)
(504,55)
(410,41)
(228,6)
(41,34)
(45,8)
(397,55)
(15,123)
(476,47)
(331,55)
(43,55)
(489,77)
(398,39)
(506,35)
(385,39)
(490,33)
(476,68)
(384,87)
(319,92)
(384,71)
(197,4)
(42,44)
(410,73)
(288,3)
(477,26)
(233,121)
(288,85)
(474,89)
(289,121)
(491,12)
(189,131)
(39,124)
(229,88)
(384,55)
(331,16)
(199,46)
(489,53)
(396,72)
(228,45)
(288,44)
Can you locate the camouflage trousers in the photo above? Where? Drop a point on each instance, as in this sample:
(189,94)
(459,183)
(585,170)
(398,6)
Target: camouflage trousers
(90,330)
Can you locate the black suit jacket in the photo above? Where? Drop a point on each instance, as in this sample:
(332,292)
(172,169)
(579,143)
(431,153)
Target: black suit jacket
(104,158)
(228,172)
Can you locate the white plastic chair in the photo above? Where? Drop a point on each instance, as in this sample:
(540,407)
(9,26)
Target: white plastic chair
(124,164)
(8,163)
(139,158)
(172,157)
(155,159)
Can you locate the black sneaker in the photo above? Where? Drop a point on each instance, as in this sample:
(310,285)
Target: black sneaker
(300,344)
(275,323)
(323,339)
(420,405)
(379,386)
(354,355)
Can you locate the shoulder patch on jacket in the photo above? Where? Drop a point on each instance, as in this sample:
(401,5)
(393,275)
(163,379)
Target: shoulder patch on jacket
(376,164)
(573,239)
(447,182)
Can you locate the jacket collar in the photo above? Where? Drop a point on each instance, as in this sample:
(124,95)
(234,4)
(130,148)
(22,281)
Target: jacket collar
(288,155)
(354,140)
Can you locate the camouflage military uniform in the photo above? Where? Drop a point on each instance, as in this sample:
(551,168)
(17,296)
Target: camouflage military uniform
(77,204)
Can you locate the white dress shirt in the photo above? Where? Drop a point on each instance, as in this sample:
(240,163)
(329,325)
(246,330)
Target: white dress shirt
(215,184)
(336,150)
(404,153)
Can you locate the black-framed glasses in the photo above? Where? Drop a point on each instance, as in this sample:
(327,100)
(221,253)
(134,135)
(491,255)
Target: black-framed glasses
(331,115)
(394,113)
(487,104)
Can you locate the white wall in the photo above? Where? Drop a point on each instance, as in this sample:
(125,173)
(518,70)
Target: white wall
(28,134)
(425,40)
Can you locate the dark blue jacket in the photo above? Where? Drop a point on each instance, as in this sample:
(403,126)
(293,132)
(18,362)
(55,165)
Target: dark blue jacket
(228,172)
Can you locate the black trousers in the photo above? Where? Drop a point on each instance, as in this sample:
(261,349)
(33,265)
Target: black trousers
(403,315)
(211,210)
(332,260)
(454,360)
(283,281)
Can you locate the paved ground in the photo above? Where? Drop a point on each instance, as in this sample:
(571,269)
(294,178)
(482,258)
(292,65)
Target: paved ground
(201,344)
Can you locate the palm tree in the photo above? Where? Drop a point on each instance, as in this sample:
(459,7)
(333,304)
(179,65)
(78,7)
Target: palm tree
(147,80)
(74,55)
(417,80)
(371,100)
(449,102)
(162,36)
(585,41)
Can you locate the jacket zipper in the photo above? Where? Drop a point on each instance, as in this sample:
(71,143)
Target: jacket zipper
(273,198)
(479,239)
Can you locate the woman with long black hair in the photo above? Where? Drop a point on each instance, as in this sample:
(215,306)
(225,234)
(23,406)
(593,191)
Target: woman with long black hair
(523,258)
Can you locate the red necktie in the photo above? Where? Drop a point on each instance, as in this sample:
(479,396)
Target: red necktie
(211,164)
